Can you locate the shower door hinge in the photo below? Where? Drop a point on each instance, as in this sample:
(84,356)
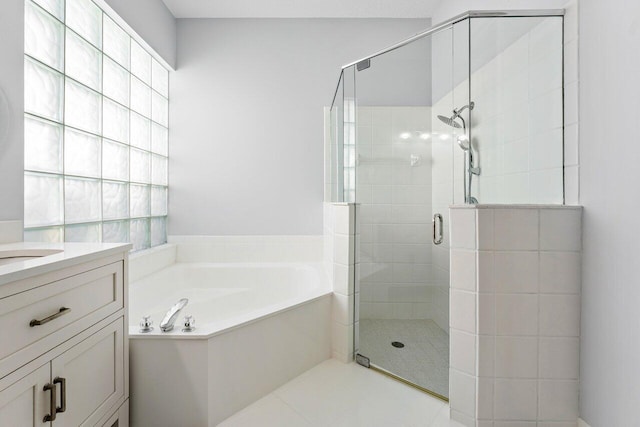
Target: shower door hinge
(362,360)
(363,65)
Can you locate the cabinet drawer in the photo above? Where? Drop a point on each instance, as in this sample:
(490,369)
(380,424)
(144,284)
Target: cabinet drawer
(34,321)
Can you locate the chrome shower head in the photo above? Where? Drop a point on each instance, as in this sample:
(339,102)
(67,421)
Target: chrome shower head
(450,121)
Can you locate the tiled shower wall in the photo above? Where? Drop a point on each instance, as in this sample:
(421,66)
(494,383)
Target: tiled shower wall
(517,122)
(516,125)
(395,270)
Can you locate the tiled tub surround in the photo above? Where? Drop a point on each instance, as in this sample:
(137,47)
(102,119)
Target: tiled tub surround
(214,373)
(515,314)
(339,259)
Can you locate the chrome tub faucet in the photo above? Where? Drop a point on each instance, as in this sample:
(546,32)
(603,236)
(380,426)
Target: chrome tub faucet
(170,318)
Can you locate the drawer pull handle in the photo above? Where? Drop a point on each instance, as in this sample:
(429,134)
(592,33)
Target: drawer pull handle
(62,311)
(63,394)
(52,403)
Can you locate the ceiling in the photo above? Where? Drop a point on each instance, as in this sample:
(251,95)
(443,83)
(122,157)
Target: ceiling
(302,8)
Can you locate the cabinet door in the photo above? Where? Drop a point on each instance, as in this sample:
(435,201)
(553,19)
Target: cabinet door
(25,402)
(93,375)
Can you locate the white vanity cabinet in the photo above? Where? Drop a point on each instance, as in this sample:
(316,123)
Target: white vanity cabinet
(63,346)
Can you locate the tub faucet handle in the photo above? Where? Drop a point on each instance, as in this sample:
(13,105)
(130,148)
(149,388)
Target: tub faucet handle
(189,324)
(146,324)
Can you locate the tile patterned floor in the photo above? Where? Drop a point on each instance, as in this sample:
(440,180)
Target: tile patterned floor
(334,394)
(424,360)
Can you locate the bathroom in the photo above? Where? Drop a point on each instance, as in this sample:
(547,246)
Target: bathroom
(340,213)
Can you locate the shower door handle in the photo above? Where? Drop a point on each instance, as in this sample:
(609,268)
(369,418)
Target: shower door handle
(437,229)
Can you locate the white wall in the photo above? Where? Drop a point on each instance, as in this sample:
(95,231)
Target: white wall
(247,118)
(609,153)
(11,97)
(153,22)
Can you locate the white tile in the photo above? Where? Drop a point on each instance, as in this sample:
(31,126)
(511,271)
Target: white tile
(485,398)
(443,419)
(516,229)
(517,314)
(560,272)
(571,103)
(486,268)
(343,279)
(463,351)
(560,315)
(516,272)
(331,395)
(546,150)
(463,311)
(343,249)
(344,219)
(572,185)
(559,358)
(463,269)
(486,314)
(546,74)
(462,390)
(516,156)
(341,338)
(515,424)
(462,419)
(486,355)
(269,411)
(560,229)
(560,424)
(485,229)
(515,399)
(342,308)
(571,157)
(327,246)
(558,400)
(462,228)
(571,21)
(546,186)
(516,357)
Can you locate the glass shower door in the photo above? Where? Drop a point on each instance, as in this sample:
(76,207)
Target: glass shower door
(405,175)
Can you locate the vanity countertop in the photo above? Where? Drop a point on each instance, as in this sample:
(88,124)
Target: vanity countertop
(57,256)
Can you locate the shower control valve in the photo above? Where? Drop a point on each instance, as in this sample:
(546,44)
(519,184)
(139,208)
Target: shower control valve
(189,324)
(146,324)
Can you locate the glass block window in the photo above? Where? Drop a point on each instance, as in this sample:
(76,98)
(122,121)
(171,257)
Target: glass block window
(349,147)
(96,129)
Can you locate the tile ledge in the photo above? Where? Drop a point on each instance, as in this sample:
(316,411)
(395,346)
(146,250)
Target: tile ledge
(524,206)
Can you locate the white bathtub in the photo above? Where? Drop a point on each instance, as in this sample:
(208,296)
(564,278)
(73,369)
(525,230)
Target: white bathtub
(223,296)
(258,325)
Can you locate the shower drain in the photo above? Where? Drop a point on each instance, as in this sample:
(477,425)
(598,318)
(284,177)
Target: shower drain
(397,344)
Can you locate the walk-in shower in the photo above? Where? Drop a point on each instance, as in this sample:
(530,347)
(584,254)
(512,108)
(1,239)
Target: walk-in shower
(469,111)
